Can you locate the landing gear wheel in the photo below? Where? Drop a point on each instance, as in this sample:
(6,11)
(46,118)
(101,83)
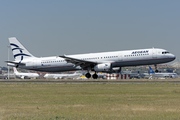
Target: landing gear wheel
(88,75)
(95,76)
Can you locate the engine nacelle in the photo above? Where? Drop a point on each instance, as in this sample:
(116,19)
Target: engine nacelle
(116,68)
(105,67)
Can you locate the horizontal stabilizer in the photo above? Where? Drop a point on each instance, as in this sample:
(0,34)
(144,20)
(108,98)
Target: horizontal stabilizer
(13,62)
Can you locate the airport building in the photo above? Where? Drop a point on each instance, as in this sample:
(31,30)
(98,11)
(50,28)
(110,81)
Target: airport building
(176,64)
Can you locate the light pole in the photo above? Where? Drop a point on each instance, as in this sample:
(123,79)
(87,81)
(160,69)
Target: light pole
(8,60)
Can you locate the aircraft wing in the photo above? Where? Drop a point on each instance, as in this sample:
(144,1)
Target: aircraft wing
(79,62)
(13,62)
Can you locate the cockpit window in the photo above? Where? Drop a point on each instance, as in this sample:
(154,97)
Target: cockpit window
(166,52)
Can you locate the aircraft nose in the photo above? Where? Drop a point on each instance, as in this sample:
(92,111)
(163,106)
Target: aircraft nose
(173,57)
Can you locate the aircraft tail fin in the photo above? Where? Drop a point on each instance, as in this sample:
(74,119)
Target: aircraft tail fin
(19,51)
(151,70)
(15,70)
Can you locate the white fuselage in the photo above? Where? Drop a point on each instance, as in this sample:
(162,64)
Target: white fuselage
(117,59)
(29,75)
(165,75)
(25,75)
(61,76)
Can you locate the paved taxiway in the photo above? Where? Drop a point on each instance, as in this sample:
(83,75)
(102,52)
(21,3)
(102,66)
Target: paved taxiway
(100,82)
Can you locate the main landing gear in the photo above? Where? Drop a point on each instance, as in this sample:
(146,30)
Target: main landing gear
(88,75)
(95,76)
(156,70)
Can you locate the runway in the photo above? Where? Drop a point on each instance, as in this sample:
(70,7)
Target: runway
(89,82)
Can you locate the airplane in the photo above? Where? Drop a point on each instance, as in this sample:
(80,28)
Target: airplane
(98,62)
(63,76)
(25,75)
(162,75)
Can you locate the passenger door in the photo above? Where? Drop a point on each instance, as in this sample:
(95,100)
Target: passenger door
(154,53)
(120,56)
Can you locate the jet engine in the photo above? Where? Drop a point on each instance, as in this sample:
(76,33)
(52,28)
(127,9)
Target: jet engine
(116,69)
(105,67)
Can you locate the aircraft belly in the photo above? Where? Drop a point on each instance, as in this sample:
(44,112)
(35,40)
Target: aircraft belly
(57,69)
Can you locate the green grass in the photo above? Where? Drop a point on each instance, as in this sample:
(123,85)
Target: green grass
(89,101)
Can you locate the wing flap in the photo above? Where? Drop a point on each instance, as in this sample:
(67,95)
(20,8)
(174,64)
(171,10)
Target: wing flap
(79,62)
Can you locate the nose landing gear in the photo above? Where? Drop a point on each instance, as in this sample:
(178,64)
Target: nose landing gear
(156,70)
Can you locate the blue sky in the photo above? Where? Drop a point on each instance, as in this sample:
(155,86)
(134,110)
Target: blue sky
(57,27)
